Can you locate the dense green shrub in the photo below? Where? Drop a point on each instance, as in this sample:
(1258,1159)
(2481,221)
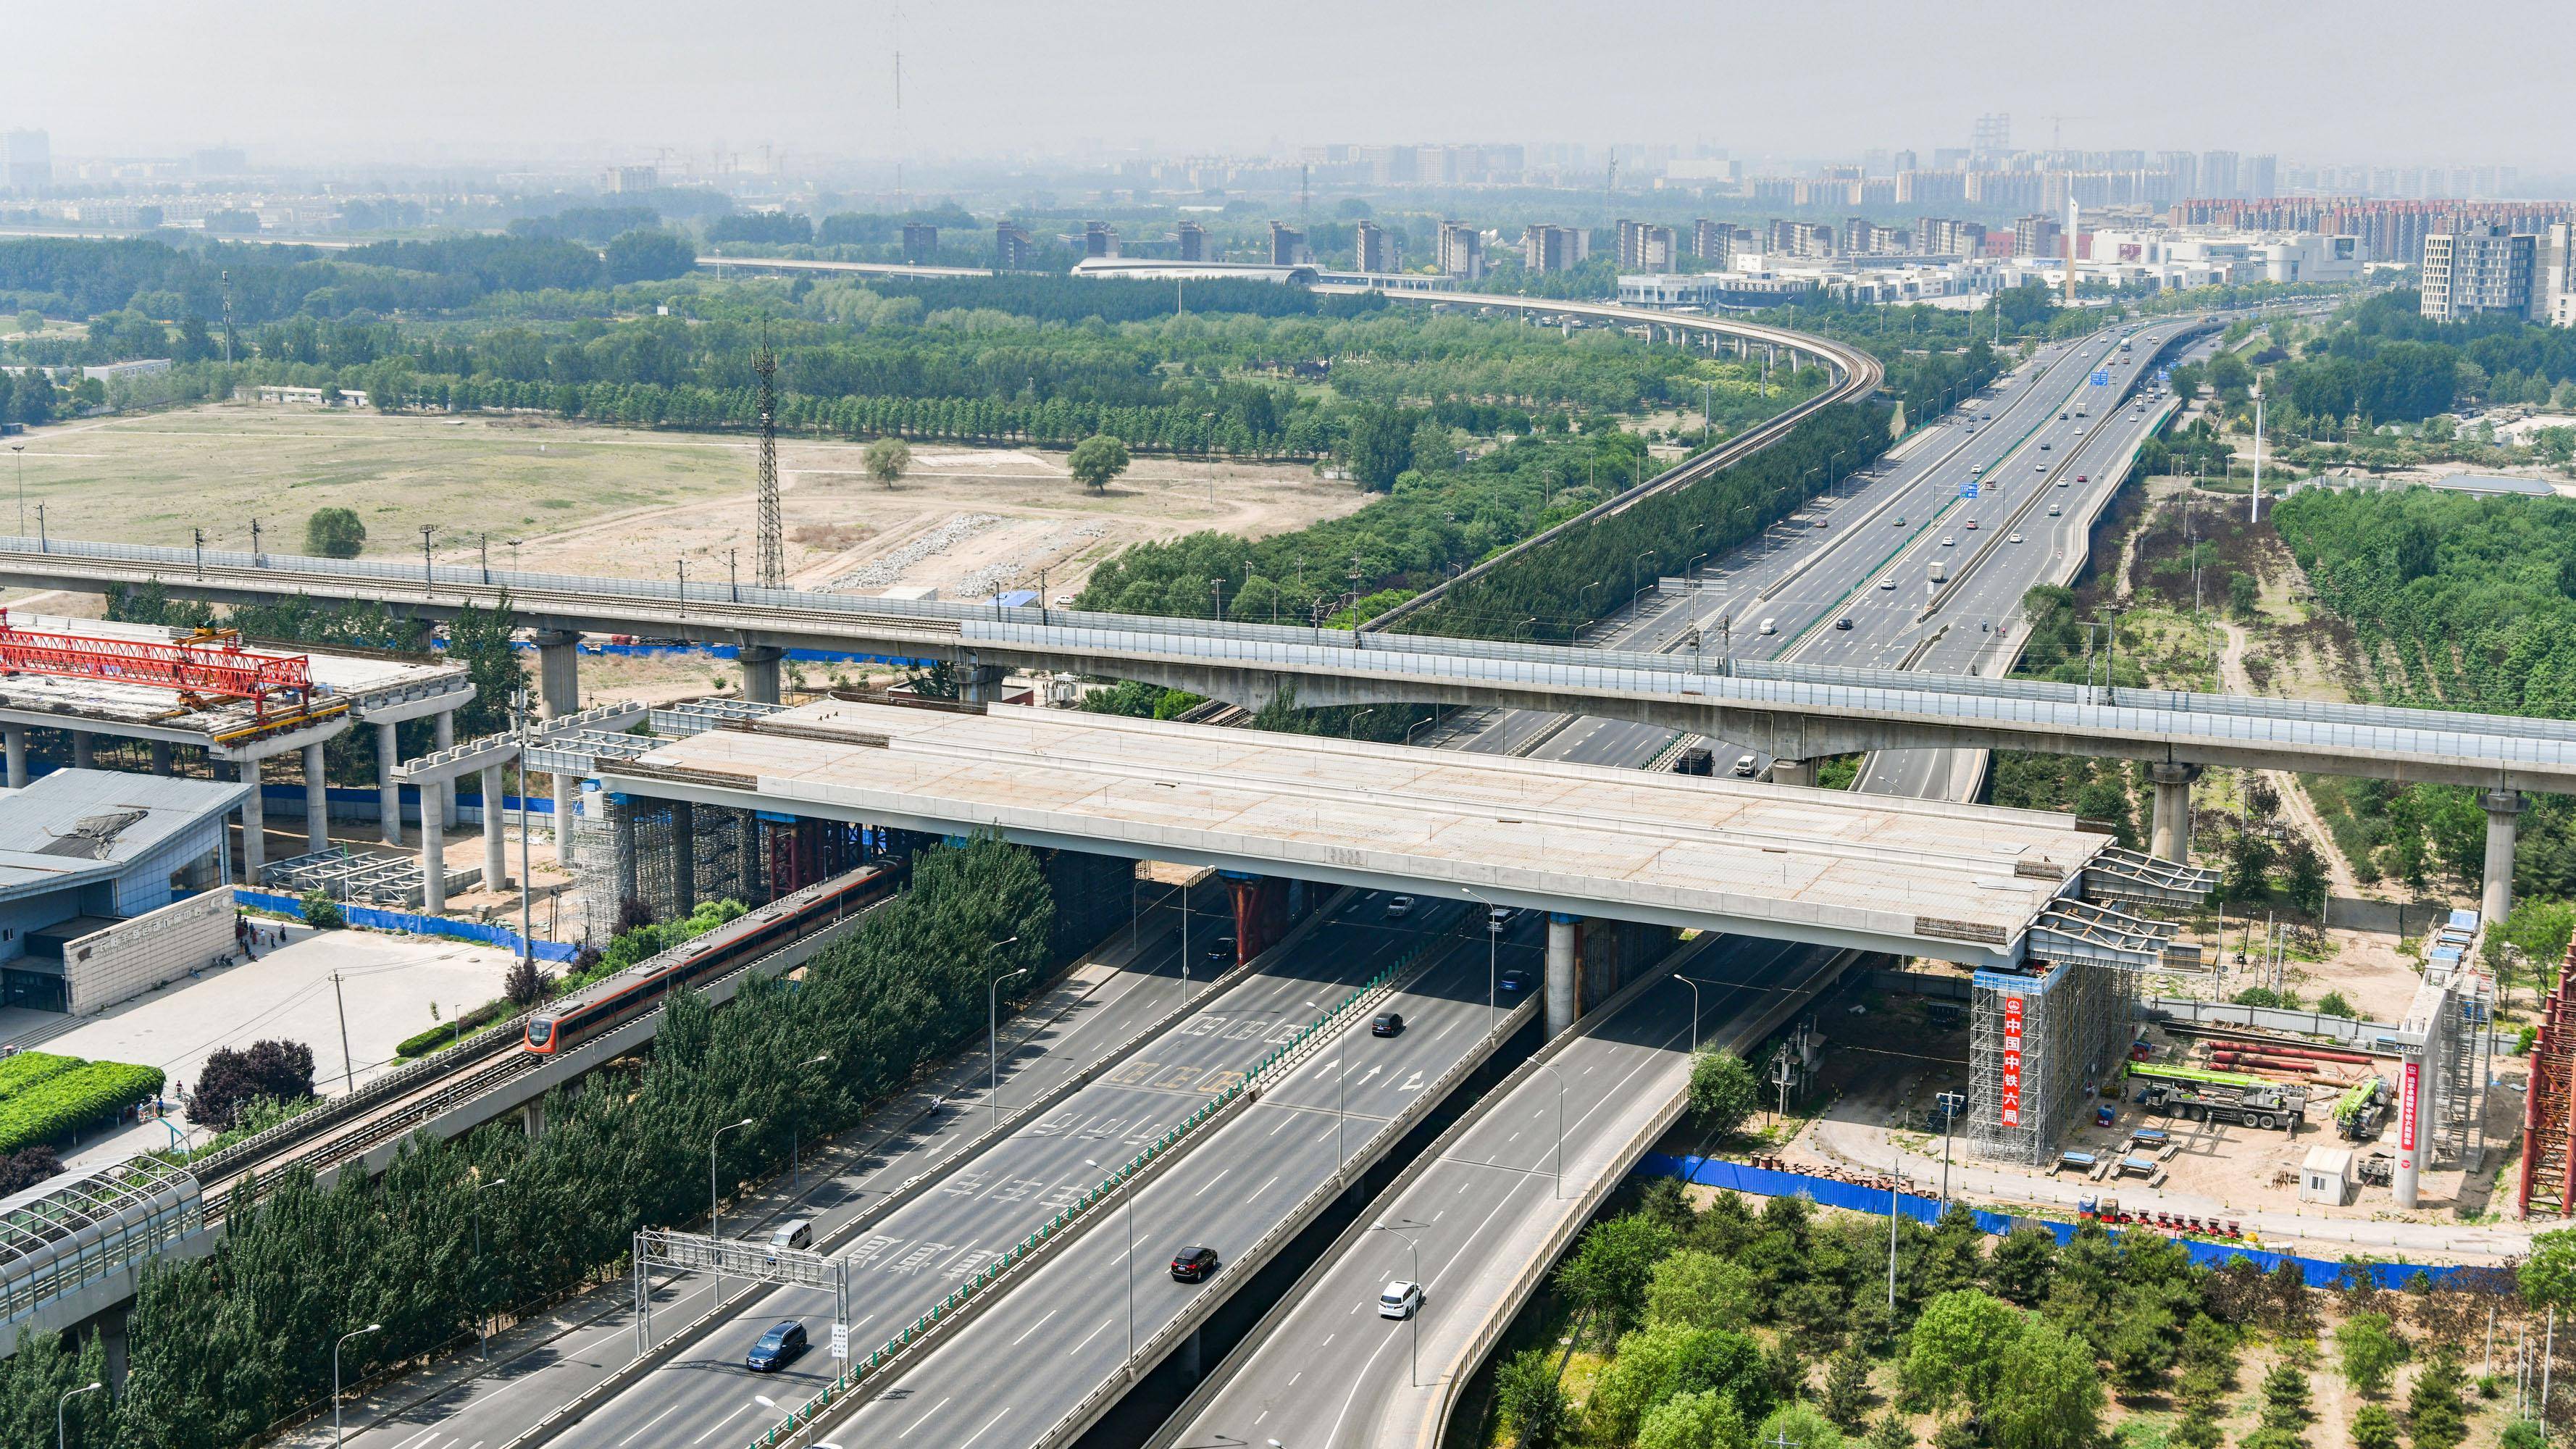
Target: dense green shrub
(61,1105)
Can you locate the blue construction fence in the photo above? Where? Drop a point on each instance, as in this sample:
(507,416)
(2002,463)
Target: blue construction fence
(1826,1192)
(375,918)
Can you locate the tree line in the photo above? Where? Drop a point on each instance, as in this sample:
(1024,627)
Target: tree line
(225,1346)
(1730,1327)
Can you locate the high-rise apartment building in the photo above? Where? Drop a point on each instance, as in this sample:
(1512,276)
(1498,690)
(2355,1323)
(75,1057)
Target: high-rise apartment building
(920,242)
(2480,270)
(1462,251)
(2553,282)
(2184,168)
(2038,235)
(2218,174)
(2261,177)
(1931,188)
(1554,248)
(1942,237)
(1376,249)
(1191,239)
(1099,239)
(1288,246)
(1713,243)
(620,180)
(1645,247)
(1013,248)
(1904,162)
(1993,135)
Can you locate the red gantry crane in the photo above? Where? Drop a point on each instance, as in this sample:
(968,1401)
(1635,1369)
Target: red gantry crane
(204,667)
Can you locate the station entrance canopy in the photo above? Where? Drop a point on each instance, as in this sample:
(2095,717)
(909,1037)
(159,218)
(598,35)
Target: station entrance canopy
(1921,878)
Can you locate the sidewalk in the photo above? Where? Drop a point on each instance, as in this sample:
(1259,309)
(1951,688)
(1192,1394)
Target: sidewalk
(584,1338)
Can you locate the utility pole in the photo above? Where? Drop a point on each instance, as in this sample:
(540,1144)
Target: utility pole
(772,566)
(2254,512)
(348,1072)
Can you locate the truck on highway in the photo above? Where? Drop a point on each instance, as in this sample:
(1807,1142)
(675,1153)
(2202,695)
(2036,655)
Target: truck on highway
(1940,571)
(2194,1093)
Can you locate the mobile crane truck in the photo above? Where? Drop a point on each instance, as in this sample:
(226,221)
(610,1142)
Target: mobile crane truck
(2195,1093)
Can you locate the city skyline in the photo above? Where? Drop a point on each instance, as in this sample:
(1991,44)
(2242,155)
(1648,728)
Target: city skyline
(495,86)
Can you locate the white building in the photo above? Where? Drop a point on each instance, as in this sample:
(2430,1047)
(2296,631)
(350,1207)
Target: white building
(2482,270)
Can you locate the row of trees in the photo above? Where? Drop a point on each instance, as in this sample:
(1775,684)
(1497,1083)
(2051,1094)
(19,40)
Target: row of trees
(223,1347)
(1715,1320)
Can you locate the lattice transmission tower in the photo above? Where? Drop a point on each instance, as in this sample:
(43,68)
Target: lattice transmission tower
(773,529)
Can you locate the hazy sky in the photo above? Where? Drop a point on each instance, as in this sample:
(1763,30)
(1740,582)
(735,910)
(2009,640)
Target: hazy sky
(487,81)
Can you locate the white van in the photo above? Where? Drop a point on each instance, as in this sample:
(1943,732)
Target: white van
(793,1235)
(1770,626)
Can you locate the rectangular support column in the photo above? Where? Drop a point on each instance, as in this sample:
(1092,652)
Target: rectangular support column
(161,757)
(317,801)
(13,738)
(254,816)
(1561,967)
(2496,901)
(80,749)
(1793,772)
(2169,834)
(558,695)
(979,683)
(433,857)
(444,723)
(760,672)
(388,794)
(496,853)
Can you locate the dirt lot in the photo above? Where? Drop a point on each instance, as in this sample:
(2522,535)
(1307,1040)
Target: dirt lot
(587,499)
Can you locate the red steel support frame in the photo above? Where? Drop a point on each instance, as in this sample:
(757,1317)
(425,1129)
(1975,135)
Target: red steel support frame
(215,665)
(2548,1163)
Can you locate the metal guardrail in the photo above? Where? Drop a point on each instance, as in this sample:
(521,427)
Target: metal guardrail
(960,1303)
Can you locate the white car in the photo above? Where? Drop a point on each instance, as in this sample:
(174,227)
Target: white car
(1400,1300)
(1399,907)
(2016,538)
(1887,583)
(1950,542)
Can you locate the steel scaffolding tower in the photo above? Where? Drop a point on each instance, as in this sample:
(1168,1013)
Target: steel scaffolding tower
(2035,1043)
(2548,1184)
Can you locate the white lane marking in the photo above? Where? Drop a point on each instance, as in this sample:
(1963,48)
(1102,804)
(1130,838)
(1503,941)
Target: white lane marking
(1088,1337)
(648,1426)
(719,1424)
(1032,1328)
(924,1419)
(1213,1181)
(988,1423)
(1258,1191)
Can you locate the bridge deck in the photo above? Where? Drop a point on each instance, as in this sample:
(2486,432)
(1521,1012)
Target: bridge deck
(1927,878)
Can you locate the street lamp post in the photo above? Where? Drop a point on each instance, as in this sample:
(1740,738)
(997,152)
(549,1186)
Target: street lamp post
(21,450)
(1694,984)
(1128,1188)
(65,1402)
(1558,1190)
(1400,1229)
(1493,950)
(712,1215)
(992,1029)
(335,1375)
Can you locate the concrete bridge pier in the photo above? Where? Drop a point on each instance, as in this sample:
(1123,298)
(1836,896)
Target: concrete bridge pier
(1793,772)
(496,852)
(1561,969)
(161,757)
(443,737)
(2169,836)
(2496,901)
(389,794)
(80,750)
(559,694)
(621,831)
(14,739)
(1190,1358)
(979,683)
(317,801)
(254,816)
(433,857)
(760,672)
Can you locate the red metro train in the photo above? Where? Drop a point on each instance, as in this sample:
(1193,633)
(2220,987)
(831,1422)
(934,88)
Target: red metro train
(606,1005)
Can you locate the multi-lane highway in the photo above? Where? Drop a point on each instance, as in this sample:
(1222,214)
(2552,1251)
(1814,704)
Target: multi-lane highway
(917,1254)
(1341,1376)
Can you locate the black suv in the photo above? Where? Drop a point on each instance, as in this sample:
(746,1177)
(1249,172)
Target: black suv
(782,1345)
(1192,1264)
